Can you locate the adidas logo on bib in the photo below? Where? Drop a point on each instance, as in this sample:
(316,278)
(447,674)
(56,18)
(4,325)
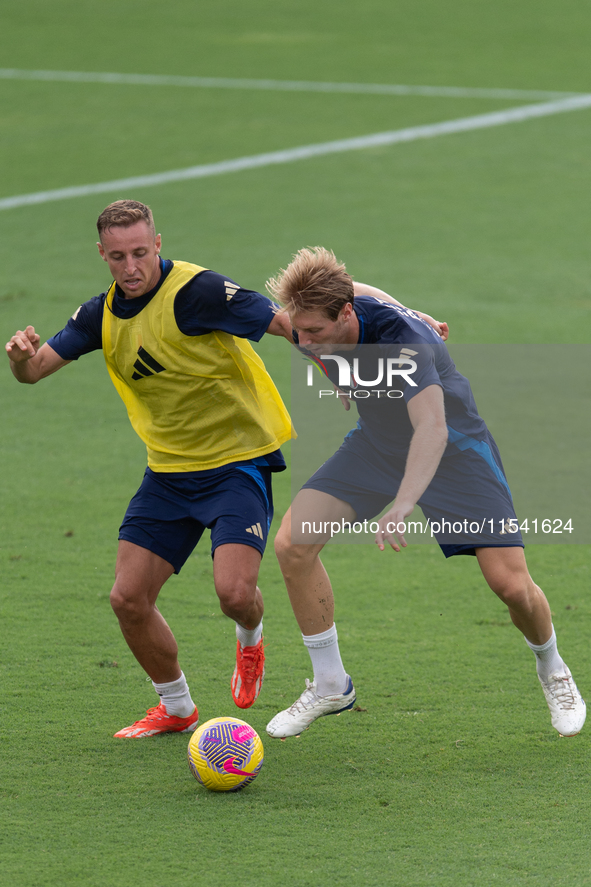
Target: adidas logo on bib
(148,367)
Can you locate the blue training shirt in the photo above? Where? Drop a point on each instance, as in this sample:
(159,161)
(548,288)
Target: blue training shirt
(389,330)
(200,307)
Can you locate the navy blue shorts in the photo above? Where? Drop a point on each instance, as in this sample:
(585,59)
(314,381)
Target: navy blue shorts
(468,501)
(170,512)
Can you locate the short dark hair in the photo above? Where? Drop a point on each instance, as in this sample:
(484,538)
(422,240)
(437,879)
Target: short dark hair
(313,281)
(124,213)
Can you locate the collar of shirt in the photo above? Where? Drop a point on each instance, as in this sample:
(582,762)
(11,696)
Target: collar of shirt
(126,308)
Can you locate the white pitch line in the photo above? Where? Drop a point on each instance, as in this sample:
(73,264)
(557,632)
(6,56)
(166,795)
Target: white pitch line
(281,85)
(305,152)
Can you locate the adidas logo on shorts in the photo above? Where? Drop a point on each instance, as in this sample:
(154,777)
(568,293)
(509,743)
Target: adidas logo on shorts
(256,529)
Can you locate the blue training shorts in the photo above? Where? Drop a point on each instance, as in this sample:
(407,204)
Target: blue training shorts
(170,512)
(468,491)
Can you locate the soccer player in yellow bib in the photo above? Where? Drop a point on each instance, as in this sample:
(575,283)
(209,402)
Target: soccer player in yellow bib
(174,339)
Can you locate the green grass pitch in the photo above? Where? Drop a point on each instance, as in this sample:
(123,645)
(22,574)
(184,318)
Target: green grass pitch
(448,772)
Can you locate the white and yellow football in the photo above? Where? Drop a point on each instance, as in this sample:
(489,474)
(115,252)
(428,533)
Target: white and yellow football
(225,754)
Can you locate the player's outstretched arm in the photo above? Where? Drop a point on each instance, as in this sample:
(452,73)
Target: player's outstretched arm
(427,414)
(281,326)
(29,362)
(363,289)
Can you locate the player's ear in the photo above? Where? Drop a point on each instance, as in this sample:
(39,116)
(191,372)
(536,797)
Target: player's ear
(158,242)
(101,250)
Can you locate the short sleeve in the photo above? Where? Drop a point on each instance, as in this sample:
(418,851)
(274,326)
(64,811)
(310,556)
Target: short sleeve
(82,333)
(211,301)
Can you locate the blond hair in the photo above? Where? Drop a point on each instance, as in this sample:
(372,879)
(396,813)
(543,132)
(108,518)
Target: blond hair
(123,214)
(313,281)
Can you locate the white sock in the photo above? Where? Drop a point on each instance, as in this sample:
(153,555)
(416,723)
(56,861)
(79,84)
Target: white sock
(176,697)
(248,637)
(329,674)
(548,659)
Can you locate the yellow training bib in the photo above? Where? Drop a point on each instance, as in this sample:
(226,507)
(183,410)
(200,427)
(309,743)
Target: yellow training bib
(197,402)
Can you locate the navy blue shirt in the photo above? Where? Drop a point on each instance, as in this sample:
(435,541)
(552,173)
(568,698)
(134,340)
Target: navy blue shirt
(199,307)
(389,331)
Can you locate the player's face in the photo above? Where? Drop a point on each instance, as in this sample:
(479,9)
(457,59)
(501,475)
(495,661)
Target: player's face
(132,256)
(321,335)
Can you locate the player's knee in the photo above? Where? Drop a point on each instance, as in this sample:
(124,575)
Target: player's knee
(289,555)
(282,543)
(516,593)
(127,606)
(237,595)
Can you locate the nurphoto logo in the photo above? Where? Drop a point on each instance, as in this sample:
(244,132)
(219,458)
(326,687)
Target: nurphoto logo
(361,383)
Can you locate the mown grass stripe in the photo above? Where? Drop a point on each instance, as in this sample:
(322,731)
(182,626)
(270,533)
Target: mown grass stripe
(306,152)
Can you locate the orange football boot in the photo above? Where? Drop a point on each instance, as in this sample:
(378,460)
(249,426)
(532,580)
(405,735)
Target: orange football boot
(157,721)
(247,679)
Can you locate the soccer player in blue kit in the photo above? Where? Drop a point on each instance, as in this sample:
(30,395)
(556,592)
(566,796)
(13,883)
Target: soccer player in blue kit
(426,446)
(173,337)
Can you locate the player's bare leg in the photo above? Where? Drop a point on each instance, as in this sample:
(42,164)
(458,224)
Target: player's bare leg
(312,600)
(307,582)
(139,576)
(506,572)
(235,575)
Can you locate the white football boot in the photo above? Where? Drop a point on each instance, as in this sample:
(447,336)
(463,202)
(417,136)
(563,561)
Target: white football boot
(567,708)
(308,708)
